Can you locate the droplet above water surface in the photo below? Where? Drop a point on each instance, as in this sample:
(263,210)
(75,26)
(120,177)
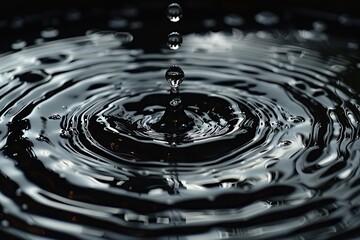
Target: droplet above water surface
(174,75)
(174,12)
(174,40)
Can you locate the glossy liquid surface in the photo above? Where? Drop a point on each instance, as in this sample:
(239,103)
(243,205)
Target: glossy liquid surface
(273,151)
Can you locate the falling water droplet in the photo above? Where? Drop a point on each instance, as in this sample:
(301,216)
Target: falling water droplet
(174,40)
(174,75)
(174,12)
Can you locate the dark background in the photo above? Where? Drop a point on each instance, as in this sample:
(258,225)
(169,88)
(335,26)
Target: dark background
(9,8)
(24,19)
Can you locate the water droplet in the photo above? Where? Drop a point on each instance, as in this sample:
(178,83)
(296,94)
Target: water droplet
(296,119)
(174,40)
(175,102)
(49,33)
(99,37)
(55,117)
(65,134)
(284,143)
(33,76)
(174,75)
(42,138)
(18,44)
(233,20)
(267,18)
(174,12)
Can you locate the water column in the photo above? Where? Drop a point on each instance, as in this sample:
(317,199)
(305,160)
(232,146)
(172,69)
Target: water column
(174,121)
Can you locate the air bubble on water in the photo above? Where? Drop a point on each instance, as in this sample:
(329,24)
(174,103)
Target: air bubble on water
(42,138)
(233,20)
(174,75)
(174,40)
(358,65)
(18,44)
(101,37)
(267,18)
(66,134)
(174,12)
(49,33)
(55,117)
(284,143)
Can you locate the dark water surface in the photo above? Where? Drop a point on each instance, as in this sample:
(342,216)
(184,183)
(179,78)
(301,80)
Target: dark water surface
(273,153)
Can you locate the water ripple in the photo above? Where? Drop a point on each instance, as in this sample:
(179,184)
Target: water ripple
(274,151)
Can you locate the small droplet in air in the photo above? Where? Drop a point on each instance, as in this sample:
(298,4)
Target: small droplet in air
(174,40)
(174,75)
(174,12)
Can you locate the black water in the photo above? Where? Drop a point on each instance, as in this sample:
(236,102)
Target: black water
(270,147)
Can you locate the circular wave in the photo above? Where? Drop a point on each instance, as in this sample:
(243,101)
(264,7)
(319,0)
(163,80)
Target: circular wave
(273,151)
